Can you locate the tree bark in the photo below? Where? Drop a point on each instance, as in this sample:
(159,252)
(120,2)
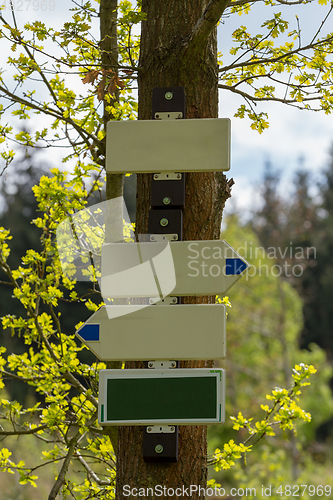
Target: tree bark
(109,56)
(114,182)
(169,57)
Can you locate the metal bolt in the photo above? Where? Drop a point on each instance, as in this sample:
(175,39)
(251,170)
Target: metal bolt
(180,115)
(174,300)
(158,448)
(173,364)
(172,429)
(149,429)
(150,364)
(168,95)
(152,238)
(166,200)
(175,237)
(155,176)
(179,176)
(164,222)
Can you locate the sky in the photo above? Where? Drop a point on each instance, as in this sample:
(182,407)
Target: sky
(294,139)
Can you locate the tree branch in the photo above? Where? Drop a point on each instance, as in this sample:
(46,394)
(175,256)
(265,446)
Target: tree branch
(322,24)
(282,57)
(239,3)
(63,61)
(61,477)
(69,376)
(296,2)
(207,24)
(90,472)
(20,433)
(247,96)
(51,112)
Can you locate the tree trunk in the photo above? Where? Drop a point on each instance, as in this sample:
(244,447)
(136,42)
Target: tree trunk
(114,182)
(171,56)
(109,57)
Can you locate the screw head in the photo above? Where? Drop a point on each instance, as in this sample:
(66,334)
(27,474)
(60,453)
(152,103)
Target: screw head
(155,176)
(164,222)
(175,237)
(168,95)
(174,300)
(152,238)
(173,364)
(150,365)
(166,200)
(158,448)
(179,176)
(172,429)
(149,429)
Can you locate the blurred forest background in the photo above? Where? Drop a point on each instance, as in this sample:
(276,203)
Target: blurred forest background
(281,314)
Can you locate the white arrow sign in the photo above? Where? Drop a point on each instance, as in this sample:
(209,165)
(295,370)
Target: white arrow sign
(198,145)
(164,332)
(180,268)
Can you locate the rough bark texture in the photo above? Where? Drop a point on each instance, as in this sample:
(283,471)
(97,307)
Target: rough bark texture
(168,58)
(109,56)
(114,182)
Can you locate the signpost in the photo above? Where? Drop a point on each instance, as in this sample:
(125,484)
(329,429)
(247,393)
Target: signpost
(195,268)
(140,333)
(161,330)
(150,146)
(148,397)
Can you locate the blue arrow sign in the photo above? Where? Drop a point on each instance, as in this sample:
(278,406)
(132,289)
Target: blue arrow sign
(234,266)
(184,268)
(121,332)
(89,333)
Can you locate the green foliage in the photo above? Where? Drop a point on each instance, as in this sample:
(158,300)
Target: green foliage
(273,476)
(80,90)
(264,324)
(300,226)
(51,364)
(261,61)
(283,413)
(231,452)
(75,116)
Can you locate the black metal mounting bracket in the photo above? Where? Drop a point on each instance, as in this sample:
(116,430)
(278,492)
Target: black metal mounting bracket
(160,442)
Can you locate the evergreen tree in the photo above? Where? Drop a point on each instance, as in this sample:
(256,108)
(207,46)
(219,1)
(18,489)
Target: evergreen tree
(317,289)
(268,219)
(18,208)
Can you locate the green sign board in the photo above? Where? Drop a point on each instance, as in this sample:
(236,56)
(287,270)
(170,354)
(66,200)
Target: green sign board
(173,396)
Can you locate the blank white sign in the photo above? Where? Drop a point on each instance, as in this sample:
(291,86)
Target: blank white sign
(143,146)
